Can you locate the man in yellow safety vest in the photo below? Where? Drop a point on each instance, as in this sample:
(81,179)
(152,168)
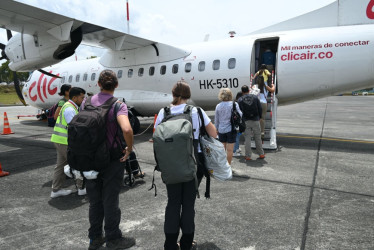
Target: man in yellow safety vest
(60,140)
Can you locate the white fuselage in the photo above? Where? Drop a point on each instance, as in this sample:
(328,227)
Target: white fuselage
(310,64)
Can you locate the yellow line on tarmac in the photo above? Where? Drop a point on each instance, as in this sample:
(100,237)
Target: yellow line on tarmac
(326,139)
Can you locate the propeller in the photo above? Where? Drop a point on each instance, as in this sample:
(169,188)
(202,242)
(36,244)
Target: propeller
(15,77)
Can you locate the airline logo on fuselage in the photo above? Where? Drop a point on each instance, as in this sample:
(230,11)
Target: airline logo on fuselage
(369,10)
(46,87)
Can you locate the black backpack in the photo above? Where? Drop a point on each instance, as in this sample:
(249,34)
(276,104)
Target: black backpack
(236,120)
(87,147)
(248,105)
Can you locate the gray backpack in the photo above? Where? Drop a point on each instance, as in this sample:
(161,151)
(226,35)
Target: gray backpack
(173,147)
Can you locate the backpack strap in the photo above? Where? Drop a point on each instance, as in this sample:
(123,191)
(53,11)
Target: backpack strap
(202,127)
(205,170)
(167,111)
(187,109)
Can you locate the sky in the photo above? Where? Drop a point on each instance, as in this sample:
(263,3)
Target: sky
(177,22)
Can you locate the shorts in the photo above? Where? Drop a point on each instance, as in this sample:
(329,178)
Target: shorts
(229,137)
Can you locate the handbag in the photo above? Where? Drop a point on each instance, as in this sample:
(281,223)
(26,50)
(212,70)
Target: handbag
(237,122)
(214,154)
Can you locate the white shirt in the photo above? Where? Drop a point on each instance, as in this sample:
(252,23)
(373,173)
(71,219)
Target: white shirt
(223,116)
(69,112)
(178,109)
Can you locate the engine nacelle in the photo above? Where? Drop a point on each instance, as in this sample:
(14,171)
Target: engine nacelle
(30,52)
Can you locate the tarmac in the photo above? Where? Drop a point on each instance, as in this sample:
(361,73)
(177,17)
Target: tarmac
(316,191)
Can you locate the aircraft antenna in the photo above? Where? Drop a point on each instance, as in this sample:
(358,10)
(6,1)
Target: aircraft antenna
(128,17)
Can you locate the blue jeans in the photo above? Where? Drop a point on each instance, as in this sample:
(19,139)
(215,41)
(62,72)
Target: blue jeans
(236,146)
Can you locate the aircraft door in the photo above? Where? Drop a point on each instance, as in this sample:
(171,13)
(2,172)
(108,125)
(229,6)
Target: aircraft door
(265,52)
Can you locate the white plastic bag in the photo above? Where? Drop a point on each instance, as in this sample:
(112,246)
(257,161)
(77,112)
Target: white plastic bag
(215,158)
(88,174)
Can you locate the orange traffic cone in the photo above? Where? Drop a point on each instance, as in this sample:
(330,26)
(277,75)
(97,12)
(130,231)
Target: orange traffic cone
(6,130)
(154,121)
(3,173)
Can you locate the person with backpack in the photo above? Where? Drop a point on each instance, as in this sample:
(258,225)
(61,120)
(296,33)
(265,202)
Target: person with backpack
(264,87)
(251,107)
(108,158)
(60,139)
(64,92)
(181,190)
(226,132)
(237,150)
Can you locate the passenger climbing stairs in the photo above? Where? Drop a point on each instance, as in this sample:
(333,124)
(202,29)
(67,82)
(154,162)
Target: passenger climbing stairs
(269,140)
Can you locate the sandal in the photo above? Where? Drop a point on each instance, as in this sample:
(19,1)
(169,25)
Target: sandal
(139,175)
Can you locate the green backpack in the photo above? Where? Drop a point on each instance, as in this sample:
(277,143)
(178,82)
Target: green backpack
(173,147)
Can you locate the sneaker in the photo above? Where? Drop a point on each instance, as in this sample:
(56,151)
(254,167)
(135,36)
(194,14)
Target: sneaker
(193,247)
(82,191)
(236,154)
(261,157)
(96,243)
(120,243)
(247,158)
(61,192)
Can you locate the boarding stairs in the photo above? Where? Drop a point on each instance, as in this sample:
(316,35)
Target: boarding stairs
(270,138)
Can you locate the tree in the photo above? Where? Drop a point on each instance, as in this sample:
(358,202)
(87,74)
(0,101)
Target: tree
(6,75)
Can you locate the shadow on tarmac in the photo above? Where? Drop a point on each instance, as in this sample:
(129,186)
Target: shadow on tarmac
(68,202)
(207,246)
(327,144)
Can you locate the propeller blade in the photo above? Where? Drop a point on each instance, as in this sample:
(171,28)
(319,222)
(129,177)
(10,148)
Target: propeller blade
(18,90)
(48,74)
(2,46)
(9,34)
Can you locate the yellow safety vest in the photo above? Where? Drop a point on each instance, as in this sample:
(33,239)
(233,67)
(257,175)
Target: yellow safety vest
(60,131)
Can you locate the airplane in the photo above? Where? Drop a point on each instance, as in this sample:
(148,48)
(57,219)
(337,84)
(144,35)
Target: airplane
(324,52)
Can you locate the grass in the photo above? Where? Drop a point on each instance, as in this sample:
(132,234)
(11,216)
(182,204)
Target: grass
(8,95)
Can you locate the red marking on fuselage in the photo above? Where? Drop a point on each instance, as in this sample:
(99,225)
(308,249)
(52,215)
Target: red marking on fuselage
(42,82)
(45,88)
(369,10)
(32,98)
(54,90)
(38,87)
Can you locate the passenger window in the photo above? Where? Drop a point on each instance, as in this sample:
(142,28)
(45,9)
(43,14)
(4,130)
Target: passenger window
(63,79)
(188,67)
(151,71)
(163,70)
(232,63)
(77,77)
(216,64)
(70,78)
(119,74)
(93,76)
(201,66)
(85,76)
(141,72)
(175,68)
(130,73)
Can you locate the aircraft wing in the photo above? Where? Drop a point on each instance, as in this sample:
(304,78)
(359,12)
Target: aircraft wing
(31,20)
(338,13)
